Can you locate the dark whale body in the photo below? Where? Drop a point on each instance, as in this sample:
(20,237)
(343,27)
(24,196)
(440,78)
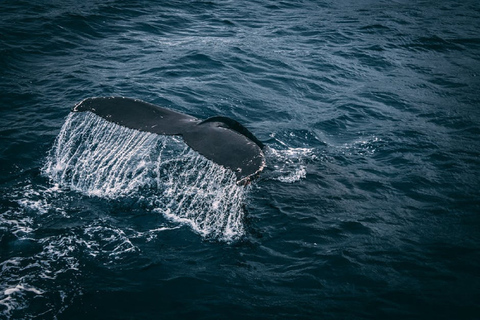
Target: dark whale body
(220,139)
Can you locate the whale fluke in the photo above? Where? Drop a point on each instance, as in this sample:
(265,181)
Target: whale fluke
(220,139)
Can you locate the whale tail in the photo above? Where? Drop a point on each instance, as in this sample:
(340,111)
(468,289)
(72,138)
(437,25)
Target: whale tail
(219,139)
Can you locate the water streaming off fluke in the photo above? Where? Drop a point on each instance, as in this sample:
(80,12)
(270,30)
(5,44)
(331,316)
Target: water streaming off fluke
(98,158)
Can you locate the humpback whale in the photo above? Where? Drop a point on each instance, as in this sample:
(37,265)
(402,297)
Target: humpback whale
(219,139)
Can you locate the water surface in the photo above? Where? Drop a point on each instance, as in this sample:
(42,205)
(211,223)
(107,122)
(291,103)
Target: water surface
(369,205)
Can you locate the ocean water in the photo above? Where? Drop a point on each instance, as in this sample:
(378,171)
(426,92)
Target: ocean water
(369,207)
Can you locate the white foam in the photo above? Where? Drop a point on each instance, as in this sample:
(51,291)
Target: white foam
(23,277)
(20,288)
(107,242)
(17,223)
(12,297)
(361,146)
(289,165)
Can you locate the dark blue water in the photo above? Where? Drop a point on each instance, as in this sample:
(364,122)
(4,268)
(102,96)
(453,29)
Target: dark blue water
(369,205)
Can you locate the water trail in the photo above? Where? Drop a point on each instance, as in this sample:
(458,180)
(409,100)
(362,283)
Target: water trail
(99,158)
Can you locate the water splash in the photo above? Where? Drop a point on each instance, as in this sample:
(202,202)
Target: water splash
(288,165)
(361,147)
(99,158)
(89,157)
(289,154)
(28,278)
